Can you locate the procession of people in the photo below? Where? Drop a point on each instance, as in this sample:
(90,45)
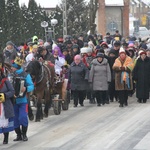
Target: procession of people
(101,70)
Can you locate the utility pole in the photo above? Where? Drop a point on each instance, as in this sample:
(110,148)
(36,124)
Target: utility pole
(64,18)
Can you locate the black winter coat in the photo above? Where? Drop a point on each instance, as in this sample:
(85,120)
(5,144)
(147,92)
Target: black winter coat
(78,76)
(141,74)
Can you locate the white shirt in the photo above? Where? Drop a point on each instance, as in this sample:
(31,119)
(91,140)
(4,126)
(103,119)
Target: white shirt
(29,58)
(58,64)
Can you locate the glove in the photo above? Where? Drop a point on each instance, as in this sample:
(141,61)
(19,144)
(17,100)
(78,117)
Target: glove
(122,68)
(2,97)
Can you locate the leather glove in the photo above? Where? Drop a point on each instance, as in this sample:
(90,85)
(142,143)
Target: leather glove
(2,97)
(122,68)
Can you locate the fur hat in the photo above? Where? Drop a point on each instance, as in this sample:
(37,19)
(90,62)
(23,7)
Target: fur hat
(83,50)
(89,50)
(86,50)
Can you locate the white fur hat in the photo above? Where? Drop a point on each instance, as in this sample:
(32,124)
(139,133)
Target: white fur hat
(85,50)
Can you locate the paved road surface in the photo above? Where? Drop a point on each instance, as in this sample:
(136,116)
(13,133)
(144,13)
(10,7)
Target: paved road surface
(90,128)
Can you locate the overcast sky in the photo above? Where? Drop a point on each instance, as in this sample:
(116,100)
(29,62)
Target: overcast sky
(43,3)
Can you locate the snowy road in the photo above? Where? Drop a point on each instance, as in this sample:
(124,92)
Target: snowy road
(90,128)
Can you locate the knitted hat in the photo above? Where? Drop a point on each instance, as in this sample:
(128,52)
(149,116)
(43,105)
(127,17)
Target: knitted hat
(141,52)
(100,55)
(116,43)
(131,45)
(122,51)
(75,46)
(10,43)
(112,51)
(98,47)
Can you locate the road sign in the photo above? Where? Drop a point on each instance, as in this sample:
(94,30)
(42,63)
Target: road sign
(144,20)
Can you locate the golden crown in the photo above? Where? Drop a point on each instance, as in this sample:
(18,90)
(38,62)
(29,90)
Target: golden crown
(19,61)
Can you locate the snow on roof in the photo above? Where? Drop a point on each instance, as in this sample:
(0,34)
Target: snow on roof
(147,2)
(137,1)
(114,2)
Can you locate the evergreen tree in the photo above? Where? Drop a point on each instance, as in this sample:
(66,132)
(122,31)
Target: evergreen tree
(77,16)
(35,19)
(3,23)
(13,20)
(57,14)
(24,23)
(93,7)
(42,17)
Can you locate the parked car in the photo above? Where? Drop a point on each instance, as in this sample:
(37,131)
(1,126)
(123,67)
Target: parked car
(142,33)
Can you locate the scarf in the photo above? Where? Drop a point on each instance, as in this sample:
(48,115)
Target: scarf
(127,63)
(2,82)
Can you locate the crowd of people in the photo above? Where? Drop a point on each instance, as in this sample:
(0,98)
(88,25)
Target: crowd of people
(98,69)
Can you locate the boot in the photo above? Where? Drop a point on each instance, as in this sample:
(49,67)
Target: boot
(121,105)
(144,100)
(18,132)
(94,102)
(6,135)
(24,131)
(140,100)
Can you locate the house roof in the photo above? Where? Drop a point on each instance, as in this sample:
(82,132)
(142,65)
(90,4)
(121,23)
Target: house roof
(146,2)
(114,2)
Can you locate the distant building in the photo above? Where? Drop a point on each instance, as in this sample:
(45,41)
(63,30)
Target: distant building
(113,15)
(140,9)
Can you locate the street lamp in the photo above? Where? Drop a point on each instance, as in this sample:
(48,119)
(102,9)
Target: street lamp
(53,24)
(44,24)
(1,29)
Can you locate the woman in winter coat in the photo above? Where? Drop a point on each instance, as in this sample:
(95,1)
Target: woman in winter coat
(123,67)
(99,77)
(78,79)
(141,74)
(9,52)
(6,106)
